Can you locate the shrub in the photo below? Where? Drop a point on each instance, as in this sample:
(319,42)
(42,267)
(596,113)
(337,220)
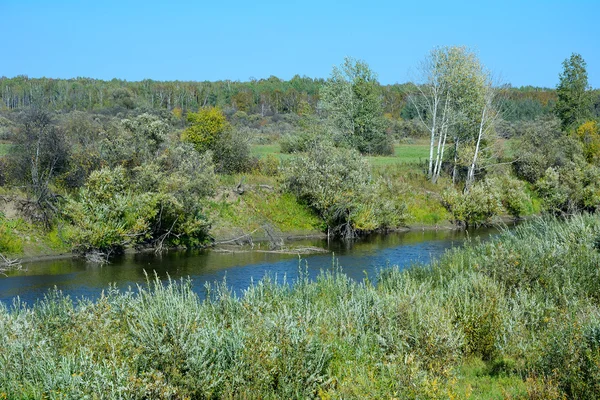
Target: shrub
(588,134)
(571,188)
(268,165)
(513,194)
(108,215)
(570,355)
(205,128)
(330,180)
(542,146)
(475,207)
(231,153)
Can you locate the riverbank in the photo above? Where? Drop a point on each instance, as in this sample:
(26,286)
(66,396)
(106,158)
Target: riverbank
(251,208)
(515,316)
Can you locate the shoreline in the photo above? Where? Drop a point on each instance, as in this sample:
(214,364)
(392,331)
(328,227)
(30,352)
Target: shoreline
(237,242)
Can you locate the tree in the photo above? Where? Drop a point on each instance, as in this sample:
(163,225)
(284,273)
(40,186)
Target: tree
(205,127)
(574,101)
(41,154)
(588,134)
(454,95)
(352,99)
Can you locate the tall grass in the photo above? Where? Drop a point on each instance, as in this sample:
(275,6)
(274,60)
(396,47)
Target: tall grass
(526,303)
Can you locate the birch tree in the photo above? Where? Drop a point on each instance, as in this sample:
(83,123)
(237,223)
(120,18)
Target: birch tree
(450,96)
(486,124)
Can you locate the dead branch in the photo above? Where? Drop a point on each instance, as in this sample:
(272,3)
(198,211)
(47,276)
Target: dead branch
(7,264)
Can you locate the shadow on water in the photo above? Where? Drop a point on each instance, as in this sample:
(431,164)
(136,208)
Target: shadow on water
(360,258)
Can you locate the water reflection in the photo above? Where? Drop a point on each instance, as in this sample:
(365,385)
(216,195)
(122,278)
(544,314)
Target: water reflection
(357,258)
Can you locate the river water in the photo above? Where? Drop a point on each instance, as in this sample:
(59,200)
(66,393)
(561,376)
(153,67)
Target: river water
(360,258)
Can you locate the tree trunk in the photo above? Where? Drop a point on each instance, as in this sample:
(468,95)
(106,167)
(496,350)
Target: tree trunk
(471,174)
(456,140)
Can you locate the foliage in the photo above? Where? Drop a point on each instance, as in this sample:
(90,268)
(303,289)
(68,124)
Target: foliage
(10,242)
(541,146)
(205,128)
(570,188)
(588,134)
(161,203)
(573,103)
(39,154)
(351,98)
(299,142)
(337,184)
(107,215)
(475,207)
(524,306)
(231,153)
(330,180)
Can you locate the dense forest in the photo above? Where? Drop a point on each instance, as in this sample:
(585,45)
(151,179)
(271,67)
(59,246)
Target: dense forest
(265,96)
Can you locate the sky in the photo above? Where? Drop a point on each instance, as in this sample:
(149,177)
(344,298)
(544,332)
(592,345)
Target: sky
(521,42)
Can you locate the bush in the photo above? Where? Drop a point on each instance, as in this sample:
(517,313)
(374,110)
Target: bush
(589,136)
(298,142)
(542,146)
(331,181)
(205,128)
(231,153)
(570,189)
(475,207)
(107,215)
(513,194)
(268,165)
(570,355)
(161,204)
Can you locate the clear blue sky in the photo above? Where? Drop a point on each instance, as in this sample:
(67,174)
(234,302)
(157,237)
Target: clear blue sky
(523,42)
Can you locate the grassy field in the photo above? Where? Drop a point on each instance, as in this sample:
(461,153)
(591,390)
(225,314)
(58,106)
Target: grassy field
(403,153)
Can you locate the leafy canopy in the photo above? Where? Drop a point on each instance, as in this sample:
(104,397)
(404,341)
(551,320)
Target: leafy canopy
(574,97)
(205,128)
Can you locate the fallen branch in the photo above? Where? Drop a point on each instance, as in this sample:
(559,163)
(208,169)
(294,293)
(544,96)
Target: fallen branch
(7,264)
(247,236)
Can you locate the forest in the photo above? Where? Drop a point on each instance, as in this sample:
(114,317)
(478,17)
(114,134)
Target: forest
(97,168)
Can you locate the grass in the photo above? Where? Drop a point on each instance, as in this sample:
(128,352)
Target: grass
(515,317)
(259,206)
(403,154)
(4,148)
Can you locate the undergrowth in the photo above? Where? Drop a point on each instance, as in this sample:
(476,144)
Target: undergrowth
(517,316)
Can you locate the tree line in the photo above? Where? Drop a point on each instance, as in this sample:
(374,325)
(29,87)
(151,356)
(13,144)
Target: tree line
(263,96)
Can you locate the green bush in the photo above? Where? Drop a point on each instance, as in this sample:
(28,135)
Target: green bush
(569,189)
(161,203)
(205,128)
(476,207)
(299,142)
(231,153)
(570,355)
(330,180)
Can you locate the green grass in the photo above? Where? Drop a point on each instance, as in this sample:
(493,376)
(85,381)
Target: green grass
(259,206)
(477,380)
(4,148)
(262,150)
(403,154)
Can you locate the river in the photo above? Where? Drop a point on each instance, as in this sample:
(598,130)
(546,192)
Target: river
(360,258)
